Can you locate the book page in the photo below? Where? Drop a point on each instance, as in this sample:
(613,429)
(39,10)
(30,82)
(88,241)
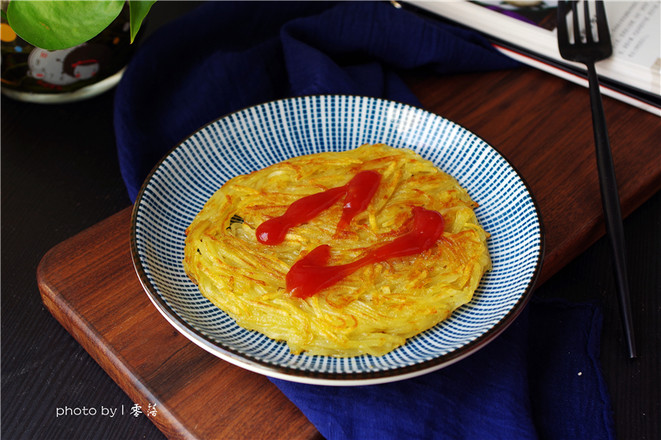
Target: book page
(530,26)
(636,31)
(536,12)
(635,25)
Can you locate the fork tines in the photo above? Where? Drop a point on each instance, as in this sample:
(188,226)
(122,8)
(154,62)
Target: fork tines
(586,37)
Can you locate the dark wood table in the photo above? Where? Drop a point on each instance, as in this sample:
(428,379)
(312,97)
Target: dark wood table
(61,179)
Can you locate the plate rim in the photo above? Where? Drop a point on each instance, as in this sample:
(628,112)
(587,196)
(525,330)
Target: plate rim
(318,377)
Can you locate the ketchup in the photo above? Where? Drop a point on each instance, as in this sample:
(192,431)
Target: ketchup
(310,274)
(273,231)
(360,191)
(358,194)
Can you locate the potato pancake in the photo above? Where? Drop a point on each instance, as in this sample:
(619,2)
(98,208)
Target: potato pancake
(378,306)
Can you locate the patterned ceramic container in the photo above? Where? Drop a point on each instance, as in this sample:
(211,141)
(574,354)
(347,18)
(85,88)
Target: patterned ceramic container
(262,135)
(33,74)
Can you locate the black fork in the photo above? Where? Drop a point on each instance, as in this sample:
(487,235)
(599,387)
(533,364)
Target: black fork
(589,50)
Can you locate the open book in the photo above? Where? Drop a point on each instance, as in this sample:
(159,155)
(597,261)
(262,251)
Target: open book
(526,31)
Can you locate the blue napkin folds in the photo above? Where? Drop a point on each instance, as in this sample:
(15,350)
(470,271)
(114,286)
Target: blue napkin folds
(225,56)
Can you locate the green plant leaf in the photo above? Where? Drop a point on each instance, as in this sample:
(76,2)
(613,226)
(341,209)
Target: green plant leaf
(58,24)
(139,10)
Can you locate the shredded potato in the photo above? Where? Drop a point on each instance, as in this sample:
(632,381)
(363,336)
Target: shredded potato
(375,309)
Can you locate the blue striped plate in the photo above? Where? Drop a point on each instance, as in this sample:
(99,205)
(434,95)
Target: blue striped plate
(256,137)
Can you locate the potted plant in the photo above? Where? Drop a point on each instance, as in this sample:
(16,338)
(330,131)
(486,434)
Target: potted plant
(60,51)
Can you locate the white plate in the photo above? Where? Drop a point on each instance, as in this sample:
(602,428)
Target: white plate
(256,137)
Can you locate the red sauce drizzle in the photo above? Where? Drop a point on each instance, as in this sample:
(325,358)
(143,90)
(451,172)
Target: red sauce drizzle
(358,194)
(360,191)
(310,274)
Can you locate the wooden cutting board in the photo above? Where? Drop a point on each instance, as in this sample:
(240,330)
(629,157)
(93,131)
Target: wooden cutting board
(540,123)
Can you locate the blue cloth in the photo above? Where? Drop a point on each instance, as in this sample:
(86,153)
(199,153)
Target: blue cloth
(225,56)
(539,379)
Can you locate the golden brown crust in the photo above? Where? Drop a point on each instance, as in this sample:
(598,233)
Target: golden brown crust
(375,309)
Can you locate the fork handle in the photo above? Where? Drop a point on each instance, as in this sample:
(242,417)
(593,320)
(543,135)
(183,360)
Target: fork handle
(611,205)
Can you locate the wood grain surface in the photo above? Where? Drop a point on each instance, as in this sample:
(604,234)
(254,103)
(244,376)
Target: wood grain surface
(89,285)
(541,124)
